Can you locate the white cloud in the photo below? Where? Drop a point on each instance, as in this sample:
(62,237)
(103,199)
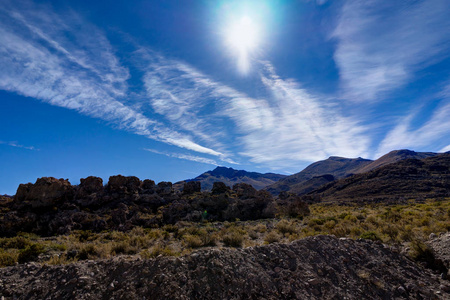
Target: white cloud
(17,145)
(37,59)
(445,149)
(381,44)
(198,159)
(434,131)
(287,126)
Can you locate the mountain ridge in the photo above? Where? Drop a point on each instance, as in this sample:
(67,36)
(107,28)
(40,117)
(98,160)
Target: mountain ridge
(231,176)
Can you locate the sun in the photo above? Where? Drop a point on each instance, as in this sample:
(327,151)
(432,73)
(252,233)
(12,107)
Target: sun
(242,37)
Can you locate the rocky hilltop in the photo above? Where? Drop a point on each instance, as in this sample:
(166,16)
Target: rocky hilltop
(321,267)
(333,168)
(409,179)
(230,177)
(306,180)
(54,206)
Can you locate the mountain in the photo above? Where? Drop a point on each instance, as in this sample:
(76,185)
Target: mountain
(306,180)
(393,157)
(230,176)
(409,179)
(339,167)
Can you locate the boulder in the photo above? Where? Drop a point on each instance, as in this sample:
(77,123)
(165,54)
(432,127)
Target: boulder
(89,192)
(148,186)
(219,188)
(47,191)
(244,190)
(192,187)
(123,184)
(164,188)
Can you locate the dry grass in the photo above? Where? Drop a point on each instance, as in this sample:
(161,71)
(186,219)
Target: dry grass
(395,224)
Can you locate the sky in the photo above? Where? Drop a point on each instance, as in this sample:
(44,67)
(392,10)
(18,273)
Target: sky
(167,90)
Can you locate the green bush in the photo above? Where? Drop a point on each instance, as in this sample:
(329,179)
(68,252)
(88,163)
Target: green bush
(7,259)
(286,227)
(370,235)
(272,237)
(233,239)
(30,253)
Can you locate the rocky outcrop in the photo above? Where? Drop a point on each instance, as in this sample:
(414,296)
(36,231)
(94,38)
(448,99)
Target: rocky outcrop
(321,267)
(192,187)
(440,246)
(52,206)
(47,191)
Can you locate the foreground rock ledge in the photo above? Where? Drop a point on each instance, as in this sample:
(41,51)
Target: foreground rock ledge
(322,267)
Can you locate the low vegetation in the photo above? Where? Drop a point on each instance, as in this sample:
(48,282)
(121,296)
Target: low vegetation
(406,225)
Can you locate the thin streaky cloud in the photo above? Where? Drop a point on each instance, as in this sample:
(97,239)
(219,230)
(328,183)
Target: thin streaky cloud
(431,132)
(288,125)
(17,145)
(445,149)
(380,45)
(194,158)
(81,74)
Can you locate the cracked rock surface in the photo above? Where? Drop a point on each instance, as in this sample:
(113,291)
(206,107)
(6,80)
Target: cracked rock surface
(321,267)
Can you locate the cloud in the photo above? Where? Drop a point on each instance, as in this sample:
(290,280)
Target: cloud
(445,149)
(434,131)
(286,126)
(15,144)
(176,104)
(198,159)
(83,73)
(381,44)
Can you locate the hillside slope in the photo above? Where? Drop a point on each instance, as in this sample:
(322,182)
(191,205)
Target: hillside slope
(312,177)
(392,157)
(338,167)
(403,180)
(321,267)
(230,176)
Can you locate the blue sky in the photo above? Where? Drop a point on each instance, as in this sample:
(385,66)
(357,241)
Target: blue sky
(169,89)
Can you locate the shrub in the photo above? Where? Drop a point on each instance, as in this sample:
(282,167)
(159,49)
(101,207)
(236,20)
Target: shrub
(157,251)
(87,252)
(30,253)
(233,239)
(272,237)
(7,259)
(122,247)
(192,241)
(17,242)
(286,227)
(370,235)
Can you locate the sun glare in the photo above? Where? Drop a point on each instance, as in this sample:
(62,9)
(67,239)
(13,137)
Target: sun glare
(242,36)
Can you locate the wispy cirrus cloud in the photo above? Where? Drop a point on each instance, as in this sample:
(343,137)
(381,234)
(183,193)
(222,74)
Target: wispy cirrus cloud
(287,126)
(81,73)
(195,158)
(433,132)
(17,145)
(380,45)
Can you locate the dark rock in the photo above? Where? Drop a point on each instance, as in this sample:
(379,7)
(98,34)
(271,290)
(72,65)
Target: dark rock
(47,191)
(123,185)
(244,190)
(89,192)
(148,186)
(253,273)
(164,188)
(219,188)
(192,187)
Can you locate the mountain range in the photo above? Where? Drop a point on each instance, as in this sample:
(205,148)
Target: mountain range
(312,177)
(408,179)
(230,176)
